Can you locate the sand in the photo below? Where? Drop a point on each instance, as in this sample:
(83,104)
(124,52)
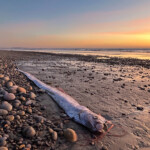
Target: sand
(116,91)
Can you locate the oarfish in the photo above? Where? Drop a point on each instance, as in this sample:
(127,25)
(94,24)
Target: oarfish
(72,108)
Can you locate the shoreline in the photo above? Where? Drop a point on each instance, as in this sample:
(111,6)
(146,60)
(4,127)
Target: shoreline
(89,58)
(115,91)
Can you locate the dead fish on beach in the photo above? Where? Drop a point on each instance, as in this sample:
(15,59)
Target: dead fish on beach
(72,108)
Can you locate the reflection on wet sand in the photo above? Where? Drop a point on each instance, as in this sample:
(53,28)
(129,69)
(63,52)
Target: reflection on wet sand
(105,54)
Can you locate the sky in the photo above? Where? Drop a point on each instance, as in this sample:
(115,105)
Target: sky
(75,23)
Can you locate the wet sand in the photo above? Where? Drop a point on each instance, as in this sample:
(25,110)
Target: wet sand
(118,89)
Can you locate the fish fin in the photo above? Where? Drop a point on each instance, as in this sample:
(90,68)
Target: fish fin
(61,90)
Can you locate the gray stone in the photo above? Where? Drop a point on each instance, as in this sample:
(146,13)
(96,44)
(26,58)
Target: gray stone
(7,106)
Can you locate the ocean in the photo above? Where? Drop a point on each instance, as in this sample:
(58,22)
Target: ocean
(122,53)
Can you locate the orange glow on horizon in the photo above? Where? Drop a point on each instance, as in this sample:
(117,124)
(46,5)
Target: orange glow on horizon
(104,40)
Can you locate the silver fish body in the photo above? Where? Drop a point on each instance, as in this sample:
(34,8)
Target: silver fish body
(72,108)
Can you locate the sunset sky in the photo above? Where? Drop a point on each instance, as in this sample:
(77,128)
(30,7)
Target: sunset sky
(75,23)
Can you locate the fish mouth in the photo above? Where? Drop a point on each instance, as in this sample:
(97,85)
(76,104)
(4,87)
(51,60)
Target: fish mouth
(99,127)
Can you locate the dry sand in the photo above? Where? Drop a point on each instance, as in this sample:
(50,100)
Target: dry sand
(114,91)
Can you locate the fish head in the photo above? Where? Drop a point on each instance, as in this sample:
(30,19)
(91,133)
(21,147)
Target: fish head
(97,122)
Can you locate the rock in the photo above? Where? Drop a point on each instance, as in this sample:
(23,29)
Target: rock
(29,132)
(70,135)
(3,148)
(6,78)
(2,91)
(10,117)
(17,117)
(140,108)
(1,76)
(61,125)
(21,90)
(16,103)
(41,91)
(104,148)
(13,89)
(9,84)
(43,107)
(29,110)
(7,106)
(28,146)
(50,130)
(22,98)
(9,96)
(39,119)
(3,112)
(118,79)
(29,102)
(32,95)
(30,88)
(21,113)
(2,141)
(54,135)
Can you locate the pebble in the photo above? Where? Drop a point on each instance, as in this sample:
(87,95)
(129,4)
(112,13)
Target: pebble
(10,117)
(9,84)
(22,98)
(70,135)
(3,112)
(54,135)
(104,148)
(6,78)
(29,102)
(50,130)
(140,108)
(32,95)
(21,146)
(61,125)
(39,119)
(17,117)
(7,106)
(30,88)
(21,90)
(3,148)
(1,76)
(13,89)
(21,113)
(9,96)
(29,132)
(41,91)
(16,103)
(43,107)
(2,141)
(28,146)
(29,110)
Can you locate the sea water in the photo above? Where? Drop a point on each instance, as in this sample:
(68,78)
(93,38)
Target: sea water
(122,53)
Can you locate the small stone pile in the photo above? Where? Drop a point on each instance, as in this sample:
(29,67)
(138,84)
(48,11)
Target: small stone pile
(23,123)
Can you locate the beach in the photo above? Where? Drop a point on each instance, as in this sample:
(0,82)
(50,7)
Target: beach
(116,88)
